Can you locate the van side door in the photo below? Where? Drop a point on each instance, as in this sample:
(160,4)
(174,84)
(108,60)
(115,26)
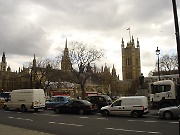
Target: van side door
(116,108)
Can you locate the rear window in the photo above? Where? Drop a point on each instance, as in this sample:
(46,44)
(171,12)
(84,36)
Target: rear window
(86,102)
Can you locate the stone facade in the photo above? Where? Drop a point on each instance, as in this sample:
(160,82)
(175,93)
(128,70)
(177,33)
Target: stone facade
(104,81)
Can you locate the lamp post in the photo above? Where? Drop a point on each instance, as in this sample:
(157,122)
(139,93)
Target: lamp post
(157,53)
(176,32)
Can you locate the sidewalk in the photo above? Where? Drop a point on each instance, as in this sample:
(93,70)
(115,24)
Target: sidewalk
(9,130)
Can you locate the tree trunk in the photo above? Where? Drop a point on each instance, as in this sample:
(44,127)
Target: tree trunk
(83,91)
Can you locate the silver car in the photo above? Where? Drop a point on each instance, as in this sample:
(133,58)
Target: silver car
(169,112)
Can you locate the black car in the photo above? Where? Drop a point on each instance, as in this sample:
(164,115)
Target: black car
(75,106)
(99,100)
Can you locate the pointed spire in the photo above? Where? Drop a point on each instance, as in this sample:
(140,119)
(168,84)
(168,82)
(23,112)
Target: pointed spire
(3,58)
(66,43)
(102,68)
(3,54)
(132,40)
(113,71)
(122,44)
(137,43)
(34,62)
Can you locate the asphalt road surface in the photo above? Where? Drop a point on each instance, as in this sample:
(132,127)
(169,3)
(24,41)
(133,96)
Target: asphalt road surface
(73,124)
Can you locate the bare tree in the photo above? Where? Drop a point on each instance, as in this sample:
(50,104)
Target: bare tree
(82,56)
(167,63)
(44,71)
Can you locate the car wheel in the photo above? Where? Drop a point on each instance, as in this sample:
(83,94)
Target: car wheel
(81,112)
(57,110)
(36,109)
(5,108)
(23,108)
(45,108)
(168,115)
(105,113)
(135,114)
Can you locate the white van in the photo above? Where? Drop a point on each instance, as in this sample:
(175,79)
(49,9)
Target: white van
(137,106)
(25,99)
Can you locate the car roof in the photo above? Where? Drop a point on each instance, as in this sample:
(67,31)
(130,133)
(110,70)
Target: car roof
(60,96)
(81,100)
(98,96)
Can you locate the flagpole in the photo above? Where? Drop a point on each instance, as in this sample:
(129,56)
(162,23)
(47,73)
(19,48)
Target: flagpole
(129,33)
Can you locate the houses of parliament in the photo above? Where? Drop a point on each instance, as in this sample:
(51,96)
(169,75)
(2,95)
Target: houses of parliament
(104,81)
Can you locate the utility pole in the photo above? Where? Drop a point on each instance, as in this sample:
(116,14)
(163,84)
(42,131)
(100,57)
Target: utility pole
(176,33)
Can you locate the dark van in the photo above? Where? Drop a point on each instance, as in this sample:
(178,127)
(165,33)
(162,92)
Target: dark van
(99,100)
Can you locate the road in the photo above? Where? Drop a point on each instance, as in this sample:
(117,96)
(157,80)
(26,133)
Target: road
(73,124)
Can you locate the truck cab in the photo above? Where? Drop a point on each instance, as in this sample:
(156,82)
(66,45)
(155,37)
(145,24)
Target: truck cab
(163,94)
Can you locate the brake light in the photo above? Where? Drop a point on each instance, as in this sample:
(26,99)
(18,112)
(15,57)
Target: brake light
(143,107)
(32,103)
(90,106)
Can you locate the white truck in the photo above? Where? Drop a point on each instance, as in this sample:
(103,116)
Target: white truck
(136,106)
(26,99)
(164,93)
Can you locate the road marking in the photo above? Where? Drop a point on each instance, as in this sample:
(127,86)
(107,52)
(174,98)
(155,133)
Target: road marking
(66,124)
(174,122)
(84,117)
(150,121)
(20,119)
(138,131)
(46,114)
(52,122)
(101,118)
(131,120)
(54,115)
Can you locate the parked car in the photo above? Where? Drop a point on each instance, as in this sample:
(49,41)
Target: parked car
(136,106)
(99,100)
(55,100)
(169,112)
(75,106)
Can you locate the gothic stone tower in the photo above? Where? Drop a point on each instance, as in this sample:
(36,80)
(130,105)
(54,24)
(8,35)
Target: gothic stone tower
(66,64)
(131,65)
(3,63)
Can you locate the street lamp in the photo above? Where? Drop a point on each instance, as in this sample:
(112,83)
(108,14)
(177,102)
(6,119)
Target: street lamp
(157,53)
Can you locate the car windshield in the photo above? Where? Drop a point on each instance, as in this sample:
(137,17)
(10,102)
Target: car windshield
(68,98)
(54,99)
(108,98)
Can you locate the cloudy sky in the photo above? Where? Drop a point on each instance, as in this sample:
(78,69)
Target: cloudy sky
(41,27)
